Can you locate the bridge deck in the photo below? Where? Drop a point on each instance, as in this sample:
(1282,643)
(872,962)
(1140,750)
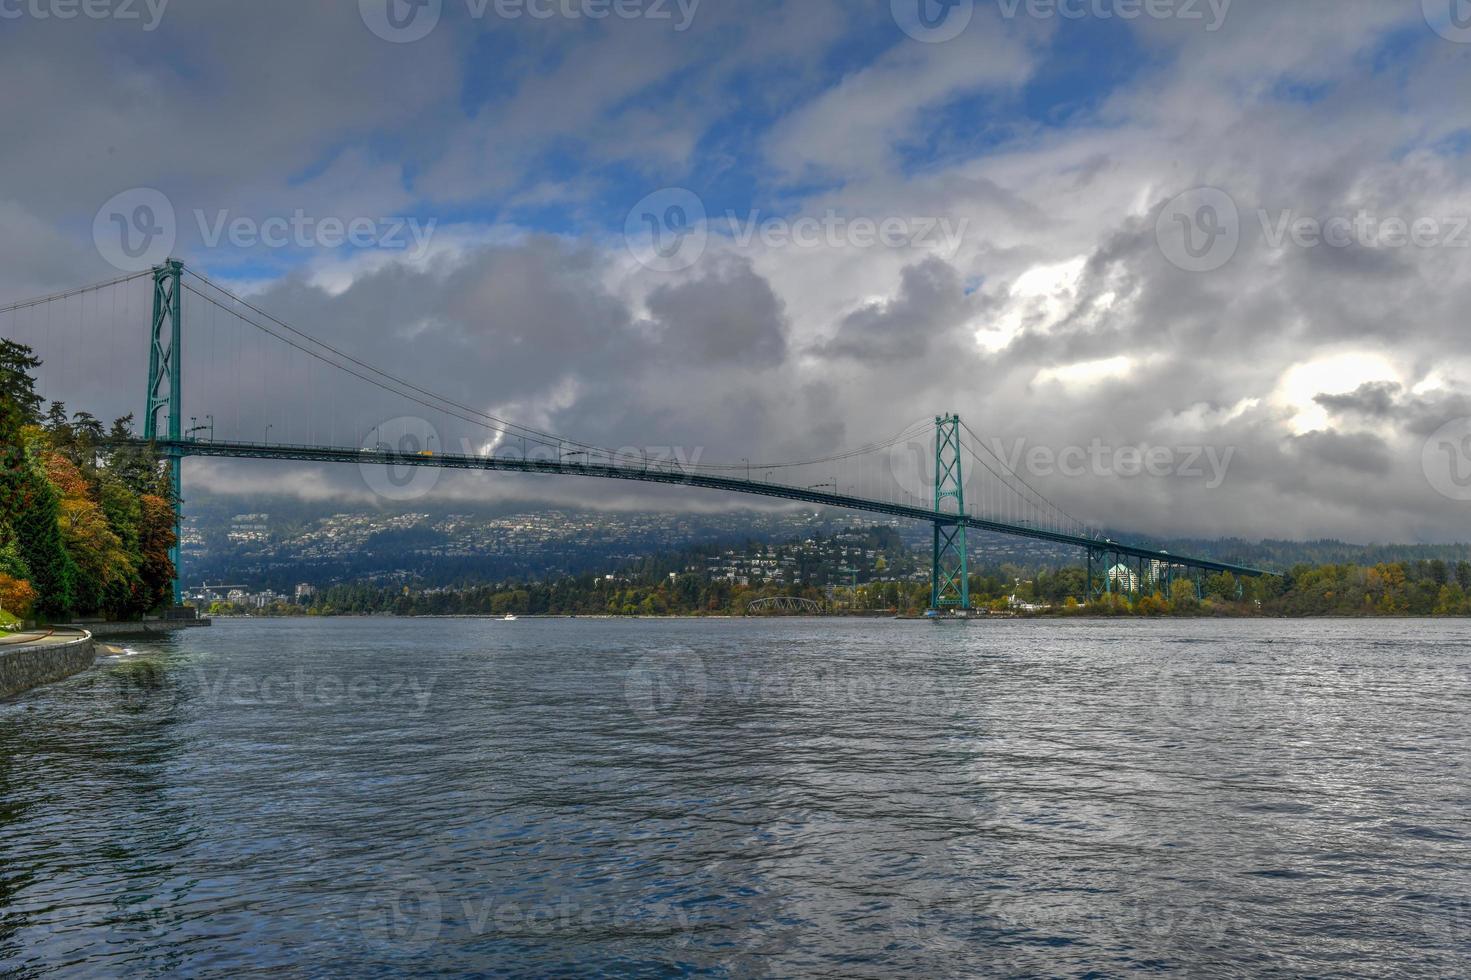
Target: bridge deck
(675,476)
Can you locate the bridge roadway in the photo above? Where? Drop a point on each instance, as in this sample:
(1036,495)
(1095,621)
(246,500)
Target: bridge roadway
(671,475)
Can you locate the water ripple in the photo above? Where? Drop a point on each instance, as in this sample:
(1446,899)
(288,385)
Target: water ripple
(370,797)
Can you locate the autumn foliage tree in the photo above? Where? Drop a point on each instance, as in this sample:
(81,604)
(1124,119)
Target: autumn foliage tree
(85,527)
(96,550)
(17,597)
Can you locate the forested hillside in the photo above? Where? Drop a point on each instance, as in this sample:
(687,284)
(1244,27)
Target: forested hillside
(83,530)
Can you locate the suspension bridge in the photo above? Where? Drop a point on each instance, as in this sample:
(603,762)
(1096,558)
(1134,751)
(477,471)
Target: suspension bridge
(271,376)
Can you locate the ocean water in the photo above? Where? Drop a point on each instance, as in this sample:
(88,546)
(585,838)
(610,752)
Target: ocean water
(368,797)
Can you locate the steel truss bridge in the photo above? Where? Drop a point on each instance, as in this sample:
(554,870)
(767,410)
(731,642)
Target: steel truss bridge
(785,605)
(1113,566)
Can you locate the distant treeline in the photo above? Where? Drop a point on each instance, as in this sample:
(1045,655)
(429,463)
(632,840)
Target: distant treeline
(1276,555)
(1426,588)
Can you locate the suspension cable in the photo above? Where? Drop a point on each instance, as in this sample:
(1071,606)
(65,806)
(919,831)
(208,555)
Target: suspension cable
(437,402)
(38,301)
(1039,497)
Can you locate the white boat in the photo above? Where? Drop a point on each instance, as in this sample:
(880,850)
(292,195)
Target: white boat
(510,617)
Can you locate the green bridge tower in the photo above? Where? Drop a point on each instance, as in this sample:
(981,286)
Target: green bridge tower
(950,572)
(164,390)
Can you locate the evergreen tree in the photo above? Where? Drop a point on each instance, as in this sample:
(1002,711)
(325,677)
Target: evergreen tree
(35,516)
(19,403)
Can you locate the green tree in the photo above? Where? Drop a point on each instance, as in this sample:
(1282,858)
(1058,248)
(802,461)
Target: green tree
(1182,597)
(36,519)
(19,403)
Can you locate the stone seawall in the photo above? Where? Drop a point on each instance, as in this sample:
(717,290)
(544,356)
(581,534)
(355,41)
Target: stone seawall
(147,628)
(26,667)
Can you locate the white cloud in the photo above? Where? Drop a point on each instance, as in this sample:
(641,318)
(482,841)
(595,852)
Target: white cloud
(1087,374)
(1057,318)
(1336,374)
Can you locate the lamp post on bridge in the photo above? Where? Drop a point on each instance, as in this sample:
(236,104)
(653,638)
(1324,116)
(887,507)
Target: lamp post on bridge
(195,428)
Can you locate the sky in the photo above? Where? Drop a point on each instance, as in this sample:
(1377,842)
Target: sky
(1227,238)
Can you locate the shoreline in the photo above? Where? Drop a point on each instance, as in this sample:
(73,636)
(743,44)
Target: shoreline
(148,628)
(884,617)
(49,659)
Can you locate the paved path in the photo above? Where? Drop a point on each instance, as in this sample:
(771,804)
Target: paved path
(38,638)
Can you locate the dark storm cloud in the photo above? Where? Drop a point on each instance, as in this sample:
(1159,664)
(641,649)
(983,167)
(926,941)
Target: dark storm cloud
(789,353)
(930,305)
(1375,400)
(730,317)
(1361,452)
